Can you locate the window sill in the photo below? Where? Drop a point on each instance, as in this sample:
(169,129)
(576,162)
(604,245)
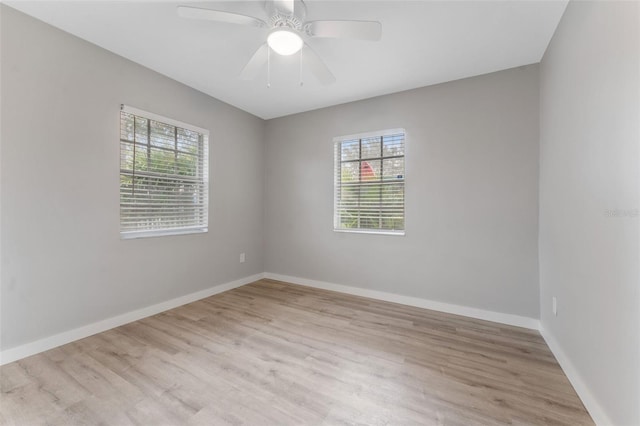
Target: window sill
(130,235)
(370,231)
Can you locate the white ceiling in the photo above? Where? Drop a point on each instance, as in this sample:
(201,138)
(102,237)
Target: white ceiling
(423,43)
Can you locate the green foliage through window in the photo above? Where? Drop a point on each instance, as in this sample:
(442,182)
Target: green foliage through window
(163,176)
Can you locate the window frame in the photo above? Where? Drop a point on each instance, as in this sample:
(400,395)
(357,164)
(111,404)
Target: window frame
(360,136)
(184,230)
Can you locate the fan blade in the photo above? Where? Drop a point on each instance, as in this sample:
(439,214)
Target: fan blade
(359,30)
(317,66)
(219,16)
(257,61)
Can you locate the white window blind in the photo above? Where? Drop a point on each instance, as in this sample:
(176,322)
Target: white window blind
(164,177)
(369,179)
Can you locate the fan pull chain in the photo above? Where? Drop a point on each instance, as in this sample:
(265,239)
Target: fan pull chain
(268,67)
(300,73)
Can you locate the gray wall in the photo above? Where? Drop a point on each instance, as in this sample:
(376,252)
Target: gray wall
(471,195)
(589,135)
(63,263)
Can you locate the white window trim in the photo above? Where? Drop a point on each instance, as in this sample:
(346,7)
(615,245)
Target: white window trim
(166,120)
(364,135)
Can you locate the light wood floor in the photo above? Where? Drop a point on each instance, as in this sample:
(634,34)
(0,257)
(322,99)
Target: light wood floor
(271,353)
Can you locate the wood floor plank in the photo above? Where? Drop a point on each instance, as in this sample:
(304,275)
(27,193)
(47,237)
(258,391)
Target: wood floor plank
(273,353)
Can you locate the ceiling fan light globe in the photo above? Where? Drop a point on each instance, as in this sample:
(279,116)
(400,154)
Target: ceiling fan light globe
(284,42)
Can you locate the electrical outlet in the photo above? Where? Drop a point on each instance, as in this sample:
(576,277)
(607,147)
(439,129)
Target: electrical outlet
(554,305)
(242,258)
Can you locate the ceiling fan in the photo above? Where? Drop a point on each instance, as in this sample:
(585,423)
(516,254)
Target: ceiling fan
(288,30)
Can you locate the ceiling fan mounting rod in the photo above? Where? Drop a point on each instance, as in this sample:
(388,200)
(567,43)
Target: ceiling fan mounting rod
(290,13)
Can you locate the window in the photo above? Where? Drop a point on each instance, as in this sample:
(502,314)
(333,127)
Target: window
(163,176)
(369,182)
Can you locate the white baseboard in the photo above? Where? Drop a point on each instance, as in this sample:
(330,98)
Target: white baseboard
(598,414)
(41,345)
(466,311)
(591,404)
(23,351)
